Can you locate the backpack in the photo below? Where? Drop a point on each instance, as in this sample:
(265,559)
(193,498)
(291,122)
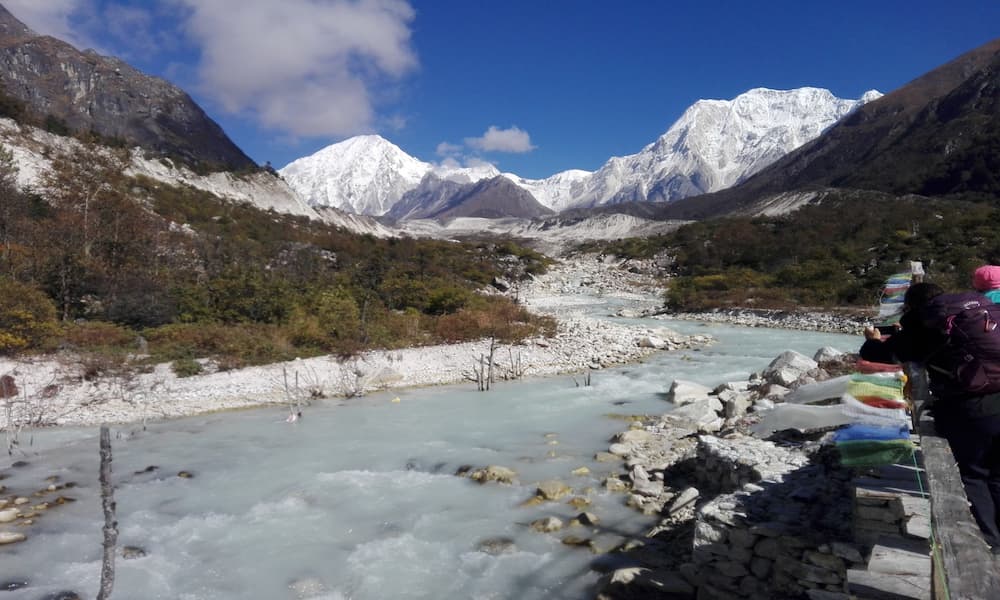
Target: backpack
(970,356)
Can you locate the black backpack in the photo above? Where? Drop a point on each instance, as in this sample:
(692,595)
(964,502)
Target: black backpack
(970,356)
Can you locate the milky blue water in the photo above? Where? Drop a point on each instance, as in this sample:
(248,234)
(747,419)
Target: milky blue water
(359,499)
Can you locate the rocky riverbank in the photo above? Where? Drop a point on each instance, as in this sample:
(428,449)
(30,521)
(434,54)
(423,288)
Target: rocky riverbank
(53,390)
(740,517)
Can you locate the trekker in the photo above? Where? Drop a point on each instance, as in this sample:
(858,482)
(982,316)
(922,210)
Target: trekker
(970,422)
(986,281)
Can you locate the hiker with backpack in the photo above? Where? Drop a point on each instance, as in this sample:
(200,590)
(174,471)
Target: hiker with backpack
(956,337)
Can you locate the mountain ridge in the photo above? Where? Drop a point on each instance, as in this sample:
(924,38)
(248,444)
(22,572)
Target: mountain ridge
(714,144)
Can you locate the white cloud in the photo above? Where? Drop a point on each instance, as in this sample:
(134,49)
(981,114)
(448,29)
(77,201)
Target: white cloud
(502,140)
(447,149)
(305,67)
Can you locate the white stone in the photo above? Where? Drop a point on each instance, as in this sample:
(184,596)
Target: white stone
(827,353)
(685,392)
(10,537)
(8,515)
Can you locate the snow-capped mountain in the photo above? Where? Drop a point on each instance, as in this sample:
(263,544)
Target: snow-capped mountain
(714,145)
(555,192)
(366,175)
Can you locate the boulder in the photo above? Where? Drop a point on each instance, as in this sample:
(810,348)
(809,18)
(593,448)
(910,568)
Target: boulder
(497,546)
(552,489)
(700,412)
(788,367)
(827,353)
(494,473)
(650,341)
(547,525)
(685,392)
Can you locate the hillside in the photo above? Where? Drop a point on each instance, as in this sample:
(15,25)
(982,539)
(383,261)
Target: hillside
(47,81)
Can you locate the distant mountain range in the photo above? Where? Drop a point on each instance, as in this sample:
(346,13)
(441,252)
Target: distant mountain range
(715,144)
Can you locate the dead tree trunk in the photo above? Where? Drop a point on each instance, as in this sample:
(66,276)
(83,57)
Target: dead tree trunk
(110,525)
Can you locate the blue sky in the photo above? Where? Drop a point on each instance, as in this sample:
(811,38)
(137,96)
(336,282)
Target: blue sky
(535,87)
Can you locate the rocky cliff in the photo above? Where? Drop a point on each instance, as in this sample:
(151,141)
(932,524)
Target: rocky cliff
(87,92)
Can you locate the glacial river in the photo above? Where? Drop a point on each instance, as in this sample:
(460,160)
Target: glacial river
(359,500)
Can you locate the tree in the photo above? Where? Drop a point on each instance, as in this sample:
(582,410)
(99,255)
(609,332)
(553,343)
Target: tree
(79,180)
(10,201)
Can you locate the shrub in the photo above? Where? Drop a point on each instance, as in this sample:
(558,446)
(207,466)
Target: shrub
(93,335)
(186,367)
(27,317)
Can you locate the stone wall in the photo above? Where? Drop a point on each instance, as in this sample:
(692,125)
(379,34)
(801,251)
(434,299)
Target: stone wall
(790,526)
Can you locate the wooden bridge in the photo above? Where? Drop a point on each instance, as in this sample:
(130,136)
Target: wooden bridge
(962,565)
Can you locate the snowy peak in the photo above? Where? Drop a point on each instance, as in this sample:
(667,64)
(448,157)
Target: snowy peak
(716,144)
(364,175)
(368,175)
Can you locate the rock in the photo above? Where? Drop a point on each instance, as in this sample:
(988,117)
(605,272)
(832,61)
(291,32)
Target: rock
(685,392)
(579,502)
(547,525)
(634,436)
(580,472)
(613,484)
(588,518)
(572,540)
(827,353)
(700,412)
(788,367)
(8,515)
(185,474)
(773,391)
(497,546)
(606,457)
(132,552)
(735,404)
(552,489)
(650,341)
(731,386)
(9,537)
(686,497)
(494,473)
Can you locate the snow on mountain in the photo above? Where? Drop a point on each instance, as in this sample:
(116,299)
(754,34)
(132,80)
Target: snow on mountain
(368,175)
(555,192)
(716,144)
(365,174)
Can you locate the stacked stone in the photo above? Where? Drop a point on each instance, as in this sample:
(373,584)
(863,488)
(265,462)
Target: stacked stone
(785,532)
(884,507)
